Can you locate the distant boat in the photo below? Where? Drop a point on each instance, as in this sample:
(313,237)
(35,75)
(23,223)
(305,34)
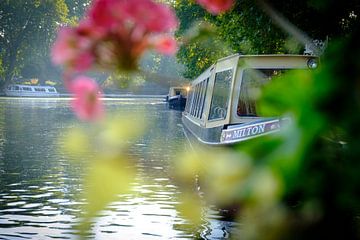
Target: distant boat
(177,98)
(221,109)
(18,90)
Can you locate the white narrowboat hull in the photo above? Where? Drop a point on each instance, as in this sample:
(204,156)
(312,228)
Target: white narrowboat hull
(30,94)
(18,90)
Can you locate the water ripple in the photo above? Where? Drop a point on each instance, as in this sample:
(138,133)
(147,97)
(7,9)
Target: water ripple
(39,186)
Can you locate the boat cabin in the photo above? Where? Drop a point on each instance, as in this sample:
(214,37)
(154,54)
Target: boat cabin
(177,97)
(18,90)
(176,91)
(221,105)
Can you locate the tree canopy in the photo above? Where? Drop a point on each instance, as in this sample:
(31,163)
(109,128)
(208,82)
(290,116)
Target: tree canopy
(27,31)
(247,28)
(28,28)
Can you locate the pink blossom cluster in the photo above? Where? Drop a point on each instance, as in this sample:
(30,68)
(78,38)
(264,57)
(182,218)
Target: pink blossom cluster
(87,104)
(113,35)
(216,6)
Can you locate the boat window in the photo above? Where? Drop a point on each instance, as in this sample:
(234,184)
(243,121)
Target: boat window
(201,98)
(193,101)
(201,87)
(220,98)
(193,104)
(177,92)
(204,97)
(51,90)
(197,99)
(16,88)
(26,89)
(189,101)
(252,81)
(40,89)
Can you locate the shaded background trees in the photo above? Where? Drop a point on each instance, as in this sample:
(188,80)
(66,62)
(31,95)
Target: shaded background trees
(247,29)
(26,32)
(28,29)
(316,159)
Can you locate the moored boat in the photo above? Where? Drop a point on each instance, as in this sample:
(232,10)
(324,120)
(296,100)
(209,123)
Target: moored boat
(18,90)
(221,109)
(177,97)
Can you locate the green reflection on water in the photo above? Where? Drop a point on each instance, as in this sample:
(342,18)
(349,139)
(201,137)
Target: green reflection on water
(39,186)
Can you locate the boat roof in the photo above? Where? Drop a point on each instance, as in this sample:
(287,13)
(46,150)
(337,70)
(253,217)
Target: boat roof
(180,87)
(25,85)
(263,56)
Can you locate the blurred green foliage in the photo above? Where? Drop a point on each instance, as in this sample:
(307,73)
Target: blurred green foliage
(26,33)
(304,182)
(247,29)
(103,152)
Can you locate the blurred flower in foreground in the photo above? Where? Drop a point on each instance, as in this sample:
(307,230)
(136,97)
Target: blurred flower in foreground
(72,50)
(108,169)
(105,181)
(87,104)
(227,176)
(165,45)
(114,35)
(216,6)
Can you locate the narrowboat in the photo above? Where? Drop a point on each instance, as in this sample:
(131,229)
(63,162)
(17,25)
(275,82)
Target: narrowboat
(18,90)
(221,108)
(177,98)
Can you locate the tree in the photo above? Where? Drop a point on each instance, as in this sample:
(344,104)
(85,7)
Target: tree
(315,161)
(27,31)
(195,55)
(77,8)
(248,29)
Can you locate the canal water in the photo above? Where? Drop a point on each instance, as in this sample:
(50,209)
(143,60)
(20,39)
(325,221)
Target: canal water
(39,184)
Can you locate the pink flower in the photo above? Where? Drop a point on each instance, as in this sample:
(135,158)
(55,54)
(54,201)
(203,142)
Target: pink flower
(64,46)
(83,61)
(72,50)
(166,45)
(87,104)
(87,28)
(101,13)
(114,35)
(146,14)
(216,6)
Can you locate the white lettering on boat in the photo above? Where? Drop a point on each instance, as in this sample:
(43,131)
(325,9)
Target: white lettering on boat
(245,132)
(248,131)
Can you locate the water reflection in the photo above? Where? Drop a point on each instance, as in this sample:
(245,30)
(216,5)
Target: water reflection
(39,186)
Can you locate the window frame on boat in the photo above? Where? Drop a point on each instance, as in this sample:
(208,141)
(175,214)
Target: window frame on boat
(197,97)
(223,64)
(26,88)
(281,62)
(227,130)
(215,110)
(40,89)
(255,79)
(198,105)
(203,97)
